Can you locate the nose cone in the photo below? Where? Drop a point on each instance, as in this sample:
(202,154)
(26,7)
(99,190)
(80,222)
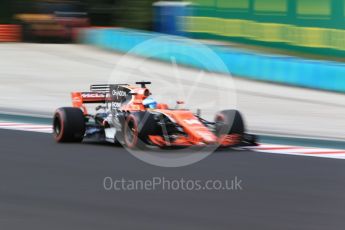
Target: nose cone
(207,137)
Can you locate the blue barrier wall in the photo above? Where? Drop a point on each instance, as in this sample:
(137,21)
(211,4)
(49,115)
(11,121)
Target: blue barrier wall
(168,17)
(322,75)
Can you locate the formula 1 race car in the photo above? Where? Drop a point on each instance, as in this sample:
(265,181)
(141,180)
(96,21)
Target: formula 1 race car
(131,117)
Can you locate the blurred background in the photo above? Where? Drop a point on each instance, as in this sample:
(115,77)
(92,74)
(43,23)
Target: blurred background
(314,27)
(298,45)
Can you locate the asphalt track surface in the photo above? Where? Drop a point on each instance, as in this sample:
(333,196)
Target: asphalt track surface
(44,185)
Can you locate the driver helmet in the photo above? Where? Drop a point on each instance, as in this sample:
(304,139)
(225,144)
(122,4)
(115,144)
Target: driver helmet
(150,103)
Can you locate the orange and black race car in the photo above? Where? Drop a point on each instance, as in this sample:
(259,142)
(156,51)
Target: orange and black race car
(128,115)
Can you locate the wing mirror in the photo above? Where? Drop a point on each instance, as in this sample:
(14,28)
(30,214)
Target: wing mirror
(179,105)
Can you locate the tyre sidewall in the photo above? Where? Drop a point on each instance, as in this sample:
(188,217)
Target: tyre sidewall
(229,122)
(72,125)
(146,125)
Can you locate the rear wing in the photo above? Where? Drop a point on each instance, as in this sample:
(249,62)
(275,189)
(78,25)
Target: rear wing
(100,88)
(101,94)
(105,88)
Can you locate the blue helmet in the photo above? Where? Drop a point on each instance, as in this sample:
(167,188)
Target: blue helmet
(150,103)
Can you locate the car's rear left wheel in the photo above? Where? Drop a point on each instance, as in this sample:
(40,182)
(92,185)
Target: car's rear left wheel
(68,125)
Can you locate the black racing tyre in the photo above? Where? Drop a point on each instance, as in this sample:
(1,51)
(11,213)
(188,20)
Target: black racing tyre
(68,125)
(131,132)
(229,122)
(138,126)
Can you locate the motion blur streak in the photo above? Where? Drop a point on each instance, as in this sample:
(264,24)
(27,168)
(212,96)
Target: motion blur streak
(39,72)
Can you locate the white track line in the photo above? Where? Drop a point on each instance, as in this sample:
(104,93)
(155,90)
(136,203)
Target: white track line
(300,151)
(264,148)
(26,127)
